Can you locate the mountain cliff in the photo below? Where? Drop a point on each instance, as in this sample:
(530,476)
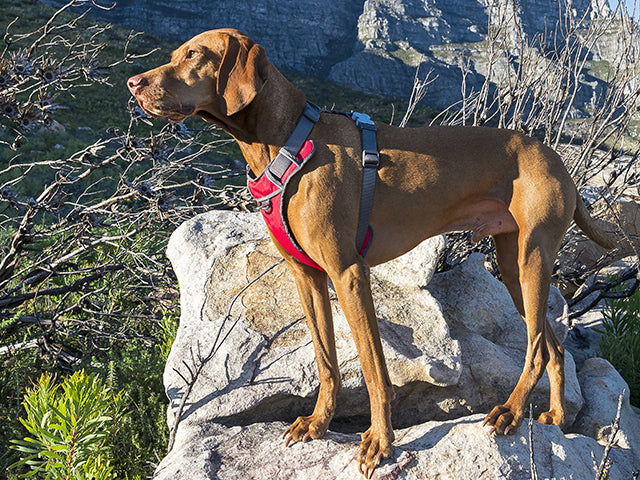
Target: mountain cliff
(370,45)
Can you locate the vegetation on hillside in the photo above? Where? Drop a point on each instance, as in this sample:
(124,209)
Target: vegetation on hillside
(620,342)
(90,190)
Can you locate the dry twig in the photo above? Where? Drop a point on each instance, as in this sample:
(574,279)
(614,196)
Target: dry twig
(602,470)
(532,461)
(83,236)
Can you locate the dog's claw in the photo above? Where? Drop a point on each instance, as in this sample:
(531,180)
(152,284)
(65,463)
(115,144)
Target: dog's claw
(373,449)
(288,441)
(368,473)
(305,429)
(502,420)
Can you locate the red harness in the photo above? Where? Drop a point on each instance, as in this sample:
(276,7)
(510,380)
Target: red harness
(267,189)
(268,193)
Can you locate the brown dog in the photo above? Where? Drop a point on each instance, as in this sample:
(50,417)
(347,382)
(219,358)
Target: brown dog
(430,181)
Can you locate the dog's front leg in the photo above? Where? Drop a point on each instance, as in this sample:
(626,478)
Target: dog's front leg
(354,293)
(314,296)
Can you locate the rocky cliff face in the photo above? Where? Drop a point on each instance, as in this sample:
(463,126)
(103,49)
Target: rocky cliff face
(370,45)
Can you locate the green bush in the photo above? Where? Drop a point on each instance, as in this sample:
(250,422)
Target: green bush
(169,327)
(142,436)
(72,427)
(14,379)
(620,342)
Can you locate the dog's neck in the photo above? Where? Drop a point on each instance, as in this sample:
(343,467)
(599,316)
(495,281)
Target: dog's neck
(264,126)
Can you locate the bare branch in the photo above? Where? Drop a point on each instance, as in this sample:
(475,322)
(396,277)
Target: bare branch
(532,462)
(603,469)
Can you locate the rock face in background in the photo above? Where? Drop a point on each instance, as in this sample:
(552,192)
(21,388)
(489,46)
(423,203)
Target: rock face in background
(370,45)
(454,345)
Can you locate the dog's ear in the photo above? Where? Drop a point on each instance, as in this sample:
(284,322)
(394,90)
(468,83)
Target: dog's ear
(240,76)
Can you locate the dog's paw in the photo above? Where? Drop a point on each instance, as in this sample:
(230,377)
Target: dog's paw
(305,428)
(503,419)
(552,417)
(373,448)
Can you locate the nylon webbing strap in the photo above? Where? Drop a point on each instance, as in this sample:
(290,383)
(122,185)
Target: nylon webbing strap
(370,161)
(287,154)
(370,164)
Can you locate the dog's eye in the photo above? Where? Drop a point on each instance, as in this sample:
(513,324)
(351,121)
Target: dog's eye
(191,54)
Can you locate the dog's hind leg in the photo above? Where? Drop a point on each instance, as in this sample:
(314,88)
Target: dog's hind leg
(555,369)
(314,296)
(507,258)
(536,254)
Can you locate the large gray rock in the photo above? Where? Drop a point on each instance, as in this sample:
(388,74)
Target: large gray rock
(492,336)
(266,360)
(453,350)
(458,353)
(266,363)
(455,449)
(601,387)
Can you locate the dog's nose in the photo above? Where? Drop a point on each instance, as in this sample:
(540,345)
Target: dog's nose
(136,83)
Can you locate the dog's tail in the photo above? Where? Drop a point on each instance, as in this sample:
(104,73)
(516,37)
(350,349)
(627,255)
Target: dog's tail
(588,225)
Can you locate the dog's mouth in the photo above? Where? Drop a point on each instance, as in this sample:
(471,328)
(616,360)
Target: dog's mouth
(175,114)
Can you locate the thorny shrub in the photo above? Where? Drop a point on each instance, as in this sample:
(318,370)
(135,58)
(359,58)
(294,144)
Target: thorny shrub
(83,275)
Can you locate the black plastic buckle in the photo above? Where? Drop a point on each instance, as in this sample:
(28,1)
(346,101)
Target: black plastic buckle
(370,159)
(367,125)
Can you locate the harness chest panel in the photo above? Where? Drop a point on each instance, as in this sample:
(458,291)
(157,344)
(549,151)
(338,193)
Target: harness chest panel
(268,192)
(269,187)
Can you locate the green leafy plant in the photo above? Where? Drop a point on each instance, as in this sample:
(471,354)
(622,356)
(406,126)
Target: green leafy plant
(620,342)
(169,327)
(142,433)
(71,427)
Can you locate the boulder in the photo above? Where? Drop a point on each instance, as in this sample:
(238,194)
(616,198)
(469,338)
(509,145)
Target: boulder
(601,386)
(453,341)
(454,449)
(266,364)
(267,358)
(492,336)
(454,349)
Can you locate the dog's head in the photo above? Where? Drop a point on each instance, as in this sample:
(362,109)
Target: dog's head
(214,75)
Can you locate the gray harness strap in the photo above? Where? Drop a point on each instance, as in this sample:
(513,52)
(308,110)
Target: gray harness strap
(287,154)
(370,164)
